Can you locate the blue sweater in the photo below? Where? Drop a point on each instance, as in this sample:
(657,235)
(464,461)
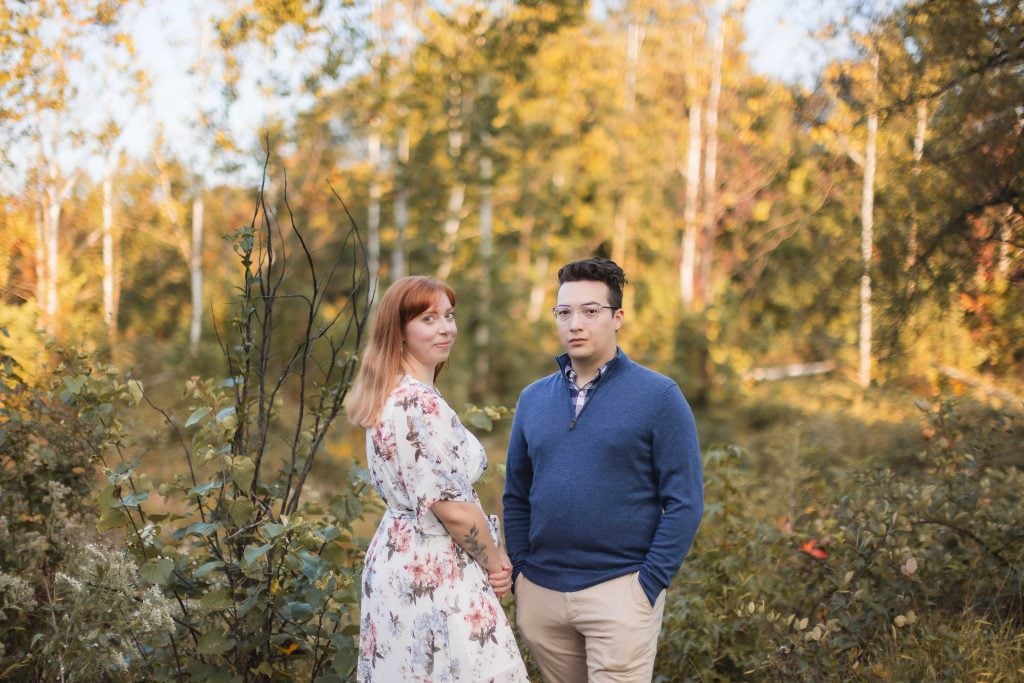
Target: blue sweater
(617,490)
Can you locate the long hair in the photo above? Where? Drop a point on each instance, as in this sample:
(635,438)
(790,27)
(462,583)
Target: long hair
(381,364)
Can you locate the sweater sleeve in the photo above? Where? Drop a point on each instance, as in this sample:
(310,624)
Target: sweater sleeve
(677,462)
(516,499)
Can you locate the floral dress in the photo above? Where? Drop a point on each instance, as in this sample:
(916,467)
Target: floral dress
(428,611)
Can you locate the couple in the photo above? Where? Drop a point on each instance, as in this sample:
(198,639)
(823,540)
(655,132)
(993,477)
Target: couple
(603,496)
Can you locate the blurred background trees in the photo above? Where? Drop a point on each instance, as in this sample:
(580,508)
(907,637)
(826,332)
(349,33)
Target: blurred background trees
(865,222)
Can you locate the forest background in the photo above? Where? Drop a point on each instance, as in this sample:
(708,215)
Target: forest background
(832,270)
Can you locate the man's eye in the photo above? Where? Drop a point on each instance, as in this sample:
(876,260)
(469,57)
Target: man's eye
(591,311)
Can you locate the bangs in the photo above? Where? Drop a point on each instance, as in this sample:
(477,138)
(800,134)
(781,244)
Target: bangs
(422,295)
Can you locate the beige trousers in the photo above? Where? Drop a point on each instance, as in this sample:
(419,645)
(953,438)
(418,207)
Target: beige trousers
(608,632)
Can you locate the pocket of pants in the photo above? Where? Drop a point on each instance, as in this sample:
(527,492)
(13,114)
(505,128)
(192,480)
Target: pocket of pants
(639,593)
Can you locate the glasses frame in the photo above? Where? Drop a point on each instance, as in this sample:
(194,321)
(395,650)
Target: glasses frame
(580,311)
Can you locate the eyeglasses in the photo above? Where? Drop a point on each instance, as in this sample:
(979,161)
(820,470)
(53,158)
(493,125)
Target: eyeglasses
(588,312)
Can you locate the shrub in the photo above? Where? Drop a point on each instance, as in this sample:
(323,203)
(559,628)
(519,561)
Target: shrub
(890,562)
(265,583)
(53,429)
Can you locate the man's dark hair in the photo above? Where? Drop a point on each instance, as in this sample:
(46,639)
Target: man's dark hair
(596,270)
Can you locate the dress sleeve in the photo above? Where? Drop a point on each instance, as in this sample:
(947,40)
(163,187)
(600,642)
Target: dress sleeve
(431,445)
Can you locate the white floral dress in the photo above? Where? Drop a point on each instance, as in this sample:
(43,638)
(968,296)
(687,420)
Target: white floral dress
(428,612)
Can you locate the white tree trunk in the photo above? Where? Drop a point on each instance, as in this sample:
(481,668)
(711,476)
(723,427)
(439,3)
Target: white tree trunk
(109,279)
(453,212)
(540,276)
(867,234)
(196,271)
(482,334)
(55,193)
(919,136)
(40,253)
(398,269)
(1005,236)
(710,203)
(623,194)
(688,260)
(373,212)
(452,223)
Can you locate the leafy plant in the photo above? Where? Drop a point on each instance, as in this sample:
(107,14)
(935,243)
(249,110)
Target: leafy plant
(264,581)
(53,429)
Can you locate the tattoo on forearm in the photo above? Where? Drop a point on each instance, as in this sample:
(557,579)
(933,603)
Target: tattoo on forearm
(476,549)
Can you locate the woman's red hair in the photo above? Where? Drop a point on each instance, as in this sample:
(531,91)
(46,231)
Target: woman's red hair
(381,365)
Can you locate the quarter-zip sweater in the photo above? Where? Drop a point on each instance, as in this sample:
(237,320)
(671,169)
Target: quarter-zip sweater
(616,490)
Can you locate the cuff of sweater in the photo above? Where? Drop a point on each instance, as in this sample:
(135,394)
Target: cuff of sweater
(651,588)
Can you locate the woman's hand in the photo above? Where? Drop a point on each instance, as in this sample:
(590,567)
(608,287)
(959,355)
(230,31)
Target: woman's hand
(501,580)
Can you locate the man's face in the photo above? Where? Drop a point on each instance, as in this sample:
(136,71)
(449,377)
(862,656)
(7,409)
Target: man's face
(588,341)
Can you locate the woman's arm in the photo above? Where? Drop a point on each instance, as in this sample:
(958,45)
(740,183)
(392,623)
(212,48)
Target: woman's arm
(466,524)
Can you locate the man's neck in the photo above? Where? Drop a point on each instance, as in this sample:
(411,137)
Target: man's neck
(585,372)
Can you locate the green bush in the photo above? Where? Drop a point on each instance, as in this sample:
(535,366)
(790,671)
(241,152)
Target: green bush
(53,430)
(264,584)
(889,562)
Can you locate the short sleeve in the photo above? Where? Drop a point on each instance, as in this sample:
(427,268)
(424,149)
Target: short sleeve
(431,448)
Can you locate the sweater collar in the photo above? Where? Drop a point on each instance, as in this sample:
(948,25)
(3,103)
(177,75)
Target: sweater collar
(610,368)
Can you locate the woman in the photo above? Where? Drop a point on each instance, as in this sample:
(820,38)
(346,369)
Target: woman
(433,572)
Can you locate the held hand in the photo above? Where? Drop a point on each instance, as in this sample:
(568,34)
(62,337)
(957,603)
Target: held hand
(501,579)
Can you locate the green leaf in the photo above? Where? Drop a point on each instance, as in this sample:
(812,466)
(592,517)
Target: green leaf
(200,529)
(478,419)
(133,500)
(215,643)
(242,470)
(157,570)
(205,568)
(298,611)
(311,566)
(273,529)
(135,391)
(114,518)
(196,416)
(253,553)
(335,555)
(74,384)
(217,599)
(203,489)
(240,510)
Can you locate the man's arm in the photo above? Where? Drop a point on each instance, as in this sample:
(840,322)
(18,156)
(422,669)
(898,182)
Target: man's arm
(516,500)
(676,455)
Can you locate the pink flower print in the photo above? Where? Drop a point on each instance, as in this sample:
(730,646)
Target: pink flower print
(430,404)
(399,537)
(384,444)
(424,576)
(368,639)
(482,618)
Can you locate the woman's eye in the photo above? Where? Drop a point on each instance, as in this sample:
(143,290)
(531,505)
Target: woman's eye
(451,316)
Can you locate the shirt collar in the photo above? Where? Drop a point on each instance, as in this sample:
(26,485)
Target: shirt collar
(566,364)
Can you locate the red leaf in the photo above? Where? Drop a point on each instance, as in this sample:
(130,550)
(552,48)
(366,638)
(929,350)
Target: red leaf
(812,549)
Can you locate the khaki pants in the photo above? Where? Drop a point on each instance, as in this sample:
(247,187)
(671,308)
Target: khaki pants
(608,632)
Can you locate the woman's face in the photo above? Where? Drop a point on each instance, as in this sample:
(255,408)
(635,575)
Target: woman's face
(429,337)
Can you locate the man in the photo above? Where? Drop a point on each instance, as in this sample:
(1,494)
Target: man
(603,493)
